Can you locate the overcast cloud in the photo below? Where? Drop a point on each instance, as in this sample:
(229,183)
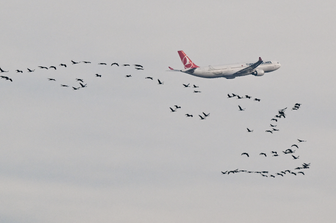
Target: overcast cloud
(114,152)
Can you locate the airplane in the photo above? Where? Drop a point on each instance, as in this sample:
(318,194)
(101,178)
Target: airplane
(258,68)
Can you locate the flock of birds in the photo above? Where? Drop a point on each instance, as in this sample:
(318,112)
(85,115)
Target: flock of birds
(291,152)
(203,115)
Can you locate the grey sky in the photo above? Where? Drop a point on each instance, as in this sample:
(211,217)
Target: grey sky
(113,152)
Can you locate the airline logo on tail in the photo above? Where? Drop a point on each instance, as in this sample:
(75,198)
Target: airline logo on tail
(186,60)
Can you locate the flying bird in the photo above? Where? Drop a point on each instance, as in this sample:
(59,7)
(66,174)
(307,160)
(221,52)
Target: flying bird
(245,154)
(75,88)
(63,65)
(64,85)
(186,85)
(53,67)
(74,62)
(126,65)
(115,64)
(51,79)
(205,115)
(301,140)
(128,75)
(82,85)
(43,67)
(102,64)
(172,110)
(195,86)
(274,119)
(240,108)
(294,145)
(201,117)
(264,154)
(98,75)
(189,115)
(151,78)
(30,70)
(19,71)
(177,106)
(86,61)
(160,82)
(197,91)
(81,80)
(295,157)
(249,130)
(1,70)
(257,99)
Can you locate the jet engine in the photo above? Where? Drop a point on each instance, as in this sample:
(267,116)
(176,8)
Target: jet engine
(258,72)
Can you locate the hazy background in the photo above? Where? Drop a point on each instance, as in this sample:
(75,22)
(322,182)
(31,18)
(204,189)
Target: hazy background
(113,152)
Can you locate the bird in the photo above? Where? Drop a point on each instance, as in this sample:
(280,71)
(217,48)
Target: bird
(75,88)
(19,71)
(186,85)
(293,173)
(249,130)
(82,85)
(78,79)
(189,115)
(301,172)
(195,86)
(224,172)
(115,64)
(177,106)
(30,70)
(240,108)
(245,154)
(2,71)
(230,96)
(74,62)
(43,67)
(275,130)
(301,140)
(270,131)
(7,78)
(257,99)
(63,65)
(295,157)
(280,174)
(248,96)
(275,153)
(273,125)
(239,97)
(51,79)
(64,85)
(139,68)
(102,64)
(53,67)
(98,75)
(126,65)
(272,176)
(205,115)
(138,65)
(160,82)
(128,75)
(197,91)
(264,154)
(151,78)
(274,119)
(294,145)
(86,61)
(202,118)
(172,110)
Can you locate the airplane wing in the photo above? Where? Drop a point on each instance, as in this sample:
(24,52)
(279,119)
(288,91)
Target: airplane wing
(249,69)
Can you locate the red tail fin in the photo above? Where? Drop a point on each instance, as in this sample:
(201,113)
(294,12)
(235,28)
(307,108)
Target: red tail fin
(186,60)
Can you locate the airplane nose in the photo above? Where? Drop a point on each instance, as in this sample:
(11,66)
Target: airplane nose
(278,65)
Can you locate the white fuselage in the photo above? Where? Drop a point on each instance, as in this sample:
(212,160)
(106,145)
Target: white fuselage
(230,71)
